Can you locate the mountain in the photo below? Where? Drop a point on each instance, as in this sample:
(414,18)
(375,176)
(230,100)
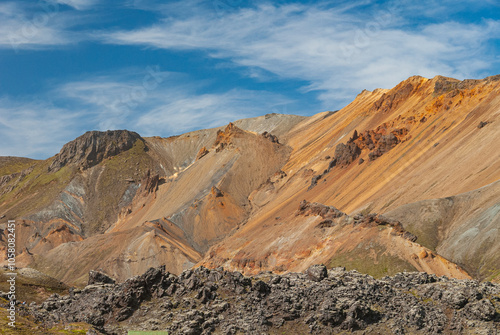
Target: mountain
(101,202)
(401,179)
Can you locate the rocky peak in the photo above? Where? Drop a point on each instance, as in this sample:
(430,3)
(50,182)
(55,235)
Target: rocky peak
(216,192)
(444,85)
(93,147)
(224,137)
(393,98)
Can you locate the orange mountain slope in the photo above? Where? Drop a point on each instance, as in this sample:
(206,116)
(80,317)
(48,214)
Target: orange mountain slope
(277,192)
(424,139)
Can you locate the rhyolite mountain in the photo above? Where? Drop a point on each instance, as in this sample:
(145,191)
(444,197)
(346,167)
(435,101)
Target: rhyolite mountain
(401,179)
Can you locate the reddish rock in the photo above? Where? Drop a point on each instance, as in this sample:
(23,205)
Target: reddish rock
(202,153)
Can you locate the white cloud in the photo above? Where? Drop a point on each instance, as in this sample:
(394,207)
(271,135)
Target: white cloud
(35,129)
(177,114)
(77,4)
(36,26)
(131,99)
(163,103)
(338,51)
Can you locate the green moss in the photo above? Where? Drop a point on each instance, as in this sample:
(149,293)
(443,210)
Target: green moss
(111,185)
(362,260)
(37,189)
(422,299)
(33,289)
(27,326)
(10,165)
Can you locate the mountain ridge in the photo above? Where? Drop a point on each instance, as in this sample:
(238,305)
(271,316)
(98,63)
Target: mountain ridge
(223,196)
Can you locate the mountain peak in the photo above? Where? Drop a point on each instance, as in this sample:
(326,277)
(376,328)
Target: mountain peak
(93,147)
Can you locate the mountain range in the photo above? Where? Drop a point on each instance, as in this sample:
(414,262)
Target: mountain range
(401,179)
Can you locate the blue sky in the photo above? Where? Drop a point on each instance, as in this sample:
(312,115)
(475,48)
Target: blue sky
(164,68)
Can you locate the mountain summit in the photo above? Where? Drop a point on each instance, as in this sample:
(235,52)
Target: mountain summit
(401,179)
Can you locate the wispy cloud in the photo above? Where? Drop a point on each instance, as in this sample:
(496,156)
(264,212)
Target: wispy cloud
(333,49)
(179,114)
(39,25)
(170,105)
(131,99)
(337,50)
(35,129)
(77,4)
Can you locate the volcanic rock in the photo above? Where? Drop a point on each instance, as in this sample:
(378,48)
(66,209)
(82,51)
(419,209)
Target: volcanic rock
(318,301)
(96,277)
(271,137)
(93,147)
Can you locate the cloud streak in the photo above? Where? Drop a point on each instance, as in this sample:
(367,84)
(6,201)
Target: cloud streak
(35,129)
(38,26)
(173,106)
(337,50)
(39,127)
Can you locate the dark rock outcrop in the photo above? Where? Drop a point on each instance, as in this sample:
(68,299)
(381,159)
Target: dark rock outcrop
(482,124)
(326,212)
(319,301)
(373,220)
(150,182)
(93,147)
(347,153)
(216,192)
(444,85)
(377,141)
(330,213)
(271,137)
(97,277)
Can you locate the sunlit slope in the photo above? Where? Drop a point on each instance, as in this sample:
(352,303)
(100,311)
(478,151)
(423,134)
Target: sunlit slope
(121,202)
(423,139)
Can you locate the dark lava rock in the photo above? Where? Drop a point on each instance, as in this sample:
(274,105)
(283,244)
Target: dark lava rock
(271,137)
(93,147)
(482,124)
(96,277)
(313,208)
(314,181)
(318,301)
(345,154)
(317,272)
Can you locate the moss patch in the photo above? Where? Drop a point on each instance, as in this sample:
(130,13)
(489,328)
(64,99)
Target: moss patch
(37,189)
(10,165)
(373,260)
(26,326)
(112,184)
(33,289)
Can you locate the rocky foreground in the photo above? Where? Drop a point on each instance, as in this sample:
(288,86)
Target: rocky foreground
(318,301)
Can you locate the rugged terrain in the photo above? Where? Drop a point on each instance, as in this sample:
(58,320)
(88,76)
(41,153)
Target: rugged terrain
(318,301)
(401,179)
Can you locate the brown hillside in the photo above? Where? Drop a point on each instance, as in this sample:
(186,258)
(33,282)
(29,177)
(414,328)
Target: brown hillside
(276,192)
(424,139)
